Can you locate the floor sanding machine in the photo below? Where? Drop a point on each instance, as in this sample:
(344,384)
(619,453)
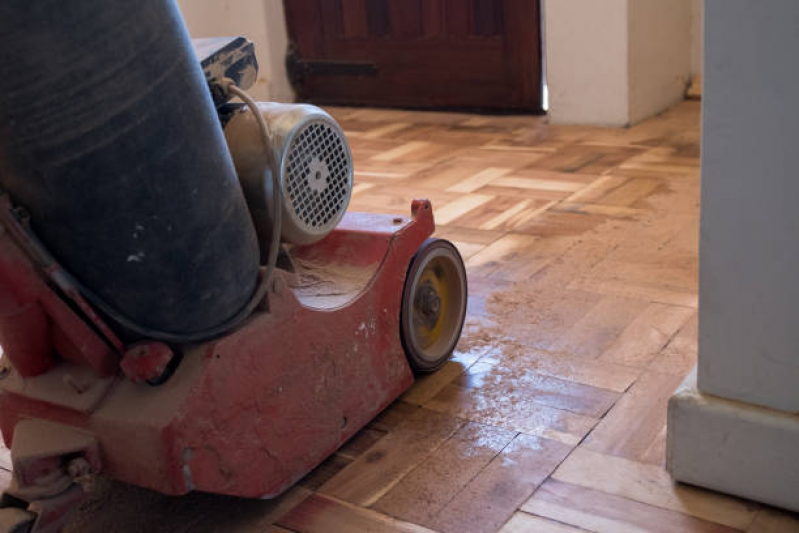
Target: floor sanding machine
(184,304)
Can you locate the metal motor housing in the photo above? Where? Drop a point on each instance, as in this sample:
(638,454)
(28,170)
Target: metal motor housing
(312,158)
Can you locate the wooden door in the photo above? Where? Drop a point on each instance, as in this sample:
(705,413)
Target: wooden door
(477,54)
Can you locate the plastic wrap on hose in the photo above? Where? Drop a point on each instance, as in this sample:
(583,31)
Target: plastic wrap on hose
(109,138)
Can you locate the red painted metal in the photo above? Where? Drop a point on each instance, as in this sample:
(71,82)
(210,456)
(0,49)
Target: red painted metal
(49,460)
(25,336)
(26,297)
(252,412)
(52,514)
(146,361)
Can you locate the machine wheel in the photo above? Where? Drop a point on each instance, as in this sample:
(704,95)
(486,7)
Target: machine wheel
(433,305)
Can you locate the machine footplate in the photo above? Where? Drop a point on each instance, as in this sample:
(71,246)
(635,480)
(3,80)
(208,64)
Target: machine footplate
(15,520)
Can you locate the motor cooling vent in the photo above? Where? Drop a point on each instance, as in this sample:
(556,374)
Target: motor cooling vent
(317,177)
(313,163)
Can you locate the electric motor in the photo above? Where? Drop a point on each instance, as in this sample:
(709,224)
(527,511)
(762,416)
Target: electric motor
(314,164)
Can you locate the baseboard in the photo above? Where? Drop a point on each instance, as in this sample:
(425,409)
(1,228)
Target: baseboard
(733,447)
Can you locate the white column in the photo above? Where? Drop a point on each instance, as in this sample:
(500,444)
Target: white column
(736,427)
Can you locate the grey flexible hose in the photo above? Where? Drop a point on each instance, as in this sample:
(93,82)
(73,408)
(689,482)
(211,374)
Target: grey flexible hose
(263,284)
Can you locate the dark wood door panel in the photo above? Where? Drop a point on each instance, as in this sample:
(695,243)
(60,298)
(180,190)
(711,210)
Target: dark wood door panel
(418,53)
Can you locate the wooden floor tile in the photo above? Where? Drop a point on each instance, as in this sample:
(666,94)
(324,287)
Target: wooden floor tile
(651,484)
(388,172)
(601,186)
(514,159)
(553,223)
(514,411)
(393,416)
(500,379)
(385,130)
(545,197)
(577,370)
(547,183)
(455,209)
(501,487)
(469,241)
(508,249)
(397,200)
(540,318)
(321,514)
(368,478)
(426,490)
(598,511)
(471,183)
(630,192)
(428,386)
(526,523)
(646,291)
(516,216)
(609,211)
(531,177)
(586,159)
(679,355)
(770,520)
(322,473)
(647,335)
(361,188)
(481,290)
(648,273)
(362,441)
(504,213)
(636,426)
(600,327)
(401,150)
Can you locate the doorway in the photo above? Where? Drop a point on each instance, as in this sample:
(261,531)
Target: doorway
(451,54)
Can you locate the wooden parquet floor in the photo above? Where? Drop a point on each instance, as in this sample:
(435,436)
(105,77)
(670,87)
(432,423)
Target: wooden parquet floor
(581,247)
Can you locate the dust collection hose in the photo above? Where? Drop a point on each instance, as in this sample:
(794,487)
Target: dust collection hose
(110,140)
(266,275)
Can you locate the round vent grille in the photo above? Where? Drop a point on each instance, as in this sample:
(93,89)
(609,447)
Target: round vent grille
(317,176)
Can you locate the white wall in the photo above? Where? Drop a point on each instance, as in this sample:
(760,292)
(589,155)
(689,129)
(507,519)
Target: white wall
(609,63)
(735,428)
(659,55)
(749,248)
(696,36)
(586,57)
(261,21)
(616,62)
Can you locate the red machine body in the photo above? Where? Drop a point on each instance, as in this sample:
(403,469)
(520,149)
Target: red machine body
(247,414)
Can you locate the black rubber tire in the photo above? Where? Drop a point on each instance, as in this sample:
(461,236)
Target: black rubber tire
(421,362)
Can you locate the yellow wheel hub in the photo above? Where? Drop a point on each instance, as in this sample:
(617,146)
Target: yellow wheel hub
(431,303)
